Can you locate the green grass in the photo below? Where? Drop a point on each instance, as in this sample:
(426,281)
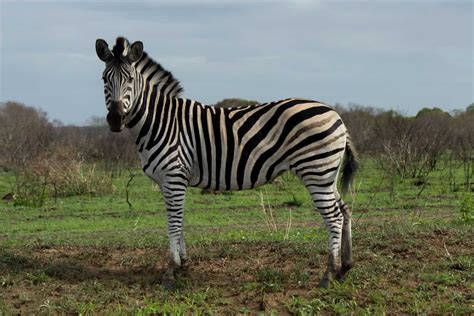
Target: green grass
(93,254)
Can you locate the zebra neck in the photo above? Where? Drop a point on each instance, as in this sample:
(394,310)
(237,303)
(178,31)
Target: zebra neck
(151,116)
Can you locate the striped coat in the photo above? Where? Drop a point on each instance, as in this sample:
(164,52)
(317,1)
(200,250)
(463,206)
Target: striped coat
(184,143)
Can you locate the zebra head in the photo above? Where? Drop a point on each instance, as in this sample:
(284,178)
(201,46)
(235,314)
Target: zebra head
(122,81)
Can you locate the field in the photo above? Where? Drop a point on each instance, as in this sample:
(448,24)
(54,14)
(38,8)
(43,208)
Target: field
(413,247)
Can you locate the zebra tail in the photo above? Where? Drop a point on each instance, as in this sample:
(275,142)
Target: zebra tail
(350,165)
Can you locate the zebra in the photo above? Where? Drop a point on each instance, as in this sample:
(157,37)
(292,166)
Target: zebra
(183,143)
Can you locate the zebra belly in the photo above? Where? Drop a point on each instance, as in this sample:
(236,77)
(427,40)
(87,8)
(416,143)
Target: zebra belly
(202,181)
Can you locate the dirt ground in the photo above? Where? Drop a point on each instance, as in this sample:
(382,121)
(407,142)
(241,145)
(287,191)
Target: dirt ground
(236,277)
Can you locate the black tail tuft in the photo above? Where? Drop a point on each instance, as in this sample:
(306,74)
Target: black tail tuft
(350,165)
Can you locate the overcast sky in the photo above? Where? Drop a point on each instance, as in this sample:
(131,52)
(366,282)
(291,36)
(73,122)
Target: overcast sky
(404,55)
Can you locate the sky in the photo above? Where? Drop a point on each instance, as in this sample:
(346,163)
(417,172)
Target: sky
(402,55)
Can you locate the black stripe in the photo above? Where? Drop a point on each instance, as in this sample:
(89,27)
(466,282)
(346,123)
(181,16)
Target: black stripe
(149,118)
(230,151)
(317,157)
(207,142)
(197,133)
(162,126)
(140,108)
(316,173)
(309,140)
(217,144)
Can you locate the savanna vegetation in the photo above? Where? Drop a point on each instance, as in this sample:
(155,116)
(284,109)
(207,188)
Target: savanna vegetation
(84,231)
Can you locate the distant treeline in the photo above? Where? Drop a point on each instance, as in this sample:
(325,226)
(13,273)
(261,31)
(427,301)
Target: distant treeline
(405,146)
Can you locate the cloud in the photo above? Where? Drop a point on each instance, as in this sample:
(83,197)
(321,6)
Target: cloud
(376,52)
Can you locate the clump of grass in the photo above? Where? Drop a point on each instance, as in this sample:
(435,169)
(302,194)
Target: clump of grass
(294,202)
(270,221)
(271,280)
(467,209)
(268,215)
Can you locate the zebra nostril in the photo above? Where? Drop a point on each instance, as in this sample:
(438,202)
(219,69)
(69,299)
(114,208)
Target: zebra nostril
(117,106)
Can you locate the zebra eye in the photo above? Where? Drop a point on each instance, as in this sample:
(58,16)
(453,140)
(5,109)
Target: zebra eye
(130,80)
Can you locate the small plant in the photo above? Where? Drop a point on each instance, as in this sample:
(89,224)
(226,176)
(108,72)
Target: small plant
(294,202)
(268,215)
(270,222)
(271,279)
(29,193)
(302,306)
(467,209)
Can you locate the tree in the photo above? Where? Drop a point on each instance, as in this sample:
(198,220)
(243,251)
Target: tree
(234,102)
(470,109)
(25,132)
(431,111)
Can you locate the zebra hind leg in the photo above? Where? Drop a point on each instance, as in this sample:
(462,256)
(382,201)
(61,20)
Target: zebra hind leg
(182,251)
(346,247)
(326,204)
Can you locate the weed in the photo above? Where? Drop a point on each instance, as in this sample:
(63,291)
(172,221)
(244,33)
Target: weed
(294,202)
(271,280)
(301,306)
(36,278)
(440,278)
(463,263)
(467,208)
(4,308)
(6,281)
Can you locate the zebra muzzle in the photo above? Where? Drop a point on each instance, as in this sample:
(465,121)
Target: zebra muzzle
(116,117)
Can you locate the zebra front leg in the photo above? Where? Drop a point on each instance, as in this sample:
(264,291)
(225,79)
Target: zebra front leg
(333,219)
(174,199)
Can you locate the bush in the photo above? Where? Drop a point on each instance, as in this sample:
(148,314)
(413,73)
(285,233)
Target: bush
(61,172)
(467,209)
(25,132)
(234,102)
(411,147)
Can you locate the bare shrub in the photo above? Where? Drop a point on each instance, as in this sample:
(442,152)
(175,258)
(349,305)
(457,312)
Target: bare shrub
(115,150)
(60,172)
(462,145)
(411,147)
(97,144)
(25,132)
(361,122)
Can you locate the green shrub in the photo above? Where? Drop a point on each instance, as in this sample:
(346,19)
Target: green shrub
(467,209)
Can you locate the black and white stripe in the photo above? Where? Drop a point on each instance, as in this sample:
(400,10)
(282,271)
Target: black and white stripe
(184,143)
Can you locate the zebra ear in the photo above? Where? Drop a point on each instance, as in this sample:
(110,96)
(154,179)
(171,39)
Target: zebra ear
(103,51)
(135,52)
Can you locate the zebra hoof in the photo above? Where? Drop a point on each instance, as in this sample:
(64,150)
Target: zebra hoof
(168,280)
(184,263)
(344,269)
(324,283)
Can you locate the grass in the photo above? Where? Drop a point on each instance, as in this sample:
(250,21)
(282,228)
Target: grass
(93,255)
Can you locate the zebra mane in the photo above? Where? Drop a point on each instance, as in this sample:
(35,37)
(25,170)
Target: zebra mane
(154,73)
(151,70)
(120,45)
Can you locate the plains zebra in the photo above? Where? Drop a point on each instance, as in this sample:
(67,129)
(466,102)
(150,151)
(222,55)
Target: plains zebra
(183,143)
